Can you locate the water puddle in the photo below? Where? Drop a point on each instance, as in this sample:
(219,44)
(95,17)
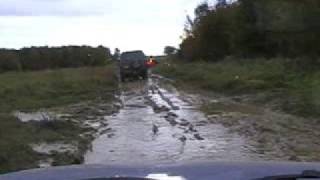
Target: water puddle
(46,163)
(33,116)
(46,148)
(157,125)
(53,153)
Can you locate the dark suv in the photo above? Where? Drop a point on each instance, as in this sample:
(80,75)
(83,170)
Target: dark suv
(133,64)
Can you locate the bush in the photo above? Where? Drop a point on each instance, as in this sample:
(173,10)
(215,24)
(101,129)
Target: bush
(40,58)
(251,29)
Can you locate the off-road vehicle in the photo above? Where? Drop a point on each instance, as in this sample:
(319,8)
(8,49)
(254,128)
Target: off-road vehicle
(133,65)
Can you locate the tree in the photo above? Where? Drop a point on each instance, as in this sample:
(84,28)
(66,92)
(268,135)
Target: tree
(39,58)
(202,10)
(221,4)
(188,26)
(9,61)
(248,28)
(170,50)
(188,49)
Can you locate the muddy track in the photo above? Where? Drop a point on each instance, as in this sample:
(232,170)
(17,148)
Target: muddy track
(158,125)
(151,122)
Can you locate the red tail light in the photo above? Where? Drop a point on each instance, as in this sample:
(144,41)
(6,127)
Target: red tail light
(151,63)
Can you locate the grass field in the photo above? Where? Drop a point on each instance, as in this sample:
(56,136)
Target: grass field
(31,91)
(43,89)
(298,91)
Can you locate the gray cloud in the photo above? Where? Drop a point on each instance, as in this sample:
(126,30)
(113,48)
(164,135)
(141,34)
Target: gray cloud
(53,7)
(86,7)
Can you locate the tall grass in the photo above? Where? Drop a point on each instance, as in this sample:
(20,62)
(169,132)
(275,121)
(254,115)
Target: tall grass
(42,89)
(299,90)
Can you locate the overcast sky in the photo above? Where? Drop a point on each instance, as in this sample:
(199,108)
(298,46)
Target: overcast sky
(128,24)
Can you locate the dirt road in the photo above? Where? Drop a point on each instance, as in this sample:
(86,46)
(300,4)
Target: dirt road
(157,124)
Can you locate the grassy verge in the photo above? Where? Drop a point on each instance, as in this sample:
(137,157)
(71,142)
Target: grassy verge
(44,89)
(297,92)
(30,91)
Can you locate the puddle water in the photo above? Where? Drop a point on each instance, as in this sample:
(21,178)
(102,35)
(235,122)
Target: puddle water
(52,148)
(34,116)
(46,163)
(46,148)
(157,126)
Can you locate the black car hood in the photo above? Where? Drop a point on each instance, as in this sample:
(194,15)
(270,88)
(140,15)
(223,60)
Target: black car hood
(195,171)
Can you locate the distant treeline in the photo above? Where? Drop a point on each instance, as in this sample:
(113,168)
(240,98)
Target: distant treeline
(38,58)
(253,28)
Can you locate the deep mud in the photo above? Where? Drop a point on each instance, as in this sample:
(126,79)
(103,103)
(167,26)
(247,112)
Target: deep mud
(276,135)
(157,124)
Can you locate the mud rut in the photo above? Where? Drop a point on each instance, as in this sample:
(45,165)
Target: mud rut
(157,125)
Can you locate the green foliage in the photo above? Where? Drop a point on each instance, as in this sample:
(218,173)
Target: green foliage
(169,50)
(246,28)
(39,58)
(9,60)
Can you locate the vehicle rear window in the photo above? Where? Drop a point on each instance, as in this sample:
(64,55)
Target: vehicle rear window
(133,56)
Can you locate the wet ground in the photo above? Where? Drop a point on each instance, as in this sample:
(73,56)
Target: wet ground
(158,124)
(70,130)
(151,122)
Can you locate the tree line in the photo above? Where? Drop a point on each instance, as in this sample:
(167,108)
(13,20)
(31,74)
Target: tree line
(251,28)
(39,58)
